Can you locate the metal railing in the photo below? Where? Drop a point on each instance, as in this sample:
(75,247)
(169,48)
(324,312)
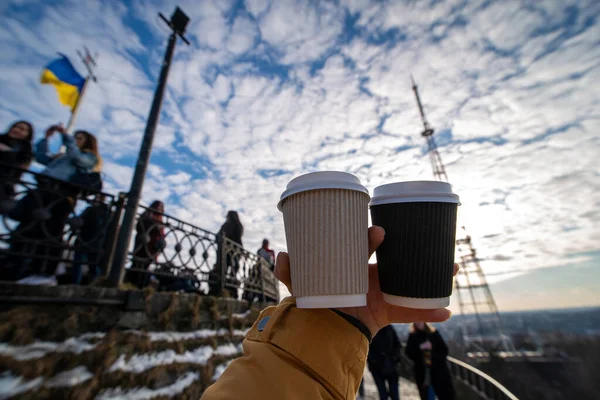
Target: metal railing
(171,253)
(478,381)
(247,272)
(478,384)
(48,224)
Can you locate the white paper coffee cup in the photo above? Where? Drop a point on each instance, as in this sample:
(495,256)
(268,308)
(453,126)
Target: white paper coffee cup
(326,220)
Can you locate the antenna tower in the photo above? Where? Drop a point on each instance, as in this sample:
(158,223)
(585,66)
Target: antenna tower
(482,330)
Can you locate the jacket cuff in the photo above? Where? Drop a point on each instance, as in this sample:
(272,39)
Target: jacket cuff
(320,340)
(356,323)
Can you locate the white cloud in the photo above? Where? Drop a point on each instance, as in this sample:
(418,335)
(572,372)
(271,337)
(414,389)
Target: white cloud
(302,31)
(257,7)
(243,35)
(222,88)
(209,25)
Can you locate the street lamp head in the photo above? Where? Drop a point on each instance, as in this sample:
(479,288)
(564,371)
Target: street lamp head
(179,21)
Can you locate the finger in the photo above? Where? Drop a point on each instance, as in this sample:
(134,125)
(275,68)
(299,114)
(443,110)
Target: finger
(282,270)
(376,234)
(403,315)
(456,267)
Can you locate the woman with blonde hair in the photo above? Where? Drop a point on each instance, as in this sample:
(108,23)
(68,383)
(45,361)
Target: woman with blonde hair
(428,351)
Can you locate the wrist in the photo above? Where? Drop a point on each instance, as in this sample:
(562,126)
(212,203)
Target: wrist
(358,324)
(364,317)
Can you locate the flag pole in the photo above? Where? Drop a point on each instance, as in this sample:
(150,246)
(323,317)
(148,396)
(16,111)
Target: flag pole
(89,63)
(76,108)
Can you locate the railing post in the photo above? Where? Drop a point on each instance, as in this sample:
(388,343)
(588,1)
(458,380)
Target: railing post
(114,272)
(262,283)
(223,263)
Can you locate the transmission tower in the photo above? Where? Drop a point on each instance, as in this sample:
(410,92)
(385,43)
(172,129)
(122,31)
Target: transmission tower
(482,329)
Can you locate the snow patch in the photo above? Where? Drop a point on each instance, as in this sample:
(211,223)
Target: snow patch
(143,362)
(174,336)
(76,345)
(142,393)
(11,385)
(68,378)
(241,316)
(178,336)
(228,349)
(240,332)
(200,355)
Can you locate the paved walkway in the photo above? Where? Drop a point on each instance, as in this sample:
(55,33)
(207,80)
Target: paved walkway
(408,390)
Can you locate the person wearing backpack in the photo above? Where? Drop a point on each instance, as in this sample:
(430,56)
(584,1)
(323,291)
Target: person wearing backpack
(383,359)
(43,212)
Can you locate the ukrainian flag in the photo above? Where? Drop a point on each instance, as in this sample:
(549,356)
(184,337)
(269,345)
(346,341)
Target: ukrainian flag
(66,80)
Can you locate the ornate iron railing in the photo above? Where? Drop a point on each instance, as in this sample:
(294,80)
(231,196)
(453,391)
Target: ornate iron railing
(247,273)
(47,223)
(172,253)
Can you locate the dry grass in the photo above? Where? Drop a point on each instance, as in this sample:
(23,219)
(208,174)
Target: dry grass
(165,318)
(23,325)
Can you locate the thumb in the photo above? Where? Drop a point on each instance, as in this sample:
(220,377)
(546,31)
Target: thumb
(282,270)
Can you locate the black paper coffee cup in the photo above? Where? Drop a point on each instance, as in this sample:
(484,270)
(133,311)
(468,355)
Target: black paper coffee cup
(416,258)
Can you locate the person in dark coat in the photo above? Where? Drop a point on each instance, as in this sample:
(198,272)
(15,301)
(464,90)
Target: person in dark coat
(16,154)
(384,355)
(233,230)
(149,242)
(91,237)
(428,351)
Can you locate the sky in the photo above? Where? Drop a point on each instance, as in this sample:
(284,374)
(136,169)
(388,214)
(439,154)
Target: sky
(268,90)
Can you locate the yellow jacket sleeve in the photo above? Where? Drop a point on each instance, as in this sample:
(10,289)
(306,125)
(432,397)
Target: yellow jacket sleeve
(292,353)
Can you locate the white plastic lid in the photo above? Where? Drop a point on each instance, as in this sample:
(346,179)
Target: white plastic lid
(321,180)
(414,192)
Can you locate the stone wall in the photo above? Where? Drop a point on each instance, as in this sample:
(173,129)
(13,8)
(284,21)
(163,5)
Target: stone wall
(58,342)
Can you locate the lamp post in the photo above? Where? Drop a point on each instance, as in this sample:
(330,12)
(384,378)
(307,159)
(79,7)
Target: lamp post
(177,23)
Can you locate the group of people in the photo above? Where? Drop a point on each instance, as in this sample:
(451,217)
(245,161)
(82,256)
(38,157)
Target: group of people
(428,352)
(36,242)
(36,245)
